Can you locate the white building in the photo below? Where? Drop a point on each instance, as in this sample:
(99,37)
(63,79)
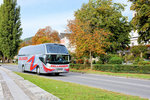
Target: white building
(133,38)
(65,41)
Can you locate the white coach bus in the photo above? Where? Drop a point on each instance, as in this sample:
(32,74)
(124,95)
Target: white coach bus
(44,58)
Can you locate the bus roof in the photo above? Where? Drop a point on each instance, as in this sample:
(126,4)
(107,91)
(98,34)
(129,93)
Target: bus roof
(46,48)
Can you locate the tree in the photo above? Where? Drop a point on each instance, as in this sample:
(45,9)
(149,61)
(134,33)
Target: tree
(86,40)
(141,20)
(138,50)
(1,55)
(10,28)
(25,43)
(107,15)
(46,35)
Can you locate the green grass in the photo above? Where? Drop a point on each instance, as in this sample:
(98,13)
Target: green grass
(131,75)
(9,63)
(72,91)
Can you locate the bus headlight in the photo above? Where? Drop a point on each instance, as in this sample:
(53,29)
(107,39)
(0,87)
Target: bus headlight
(48,65)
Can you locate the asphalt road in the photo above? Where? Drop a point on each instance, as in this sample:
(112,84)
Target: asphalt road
(130,86)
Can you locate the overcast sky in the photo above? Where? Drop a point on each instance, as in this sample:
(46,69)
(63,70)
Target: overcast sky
(36,14)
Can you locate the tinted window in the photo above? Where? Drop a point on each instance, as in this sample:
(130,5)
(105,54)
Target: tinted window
(57,59)
(56,48)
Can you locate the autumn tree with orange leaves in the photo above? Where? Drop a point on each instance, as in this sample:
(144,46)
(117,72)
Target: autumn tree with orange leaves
(46,35)
(87,41)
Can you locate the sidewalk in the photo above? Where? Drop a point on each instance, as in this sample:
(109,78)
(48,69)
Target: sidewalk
(14,87)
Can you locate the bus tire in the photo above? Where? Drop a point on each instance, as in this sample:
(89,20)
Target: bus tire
(56,74)
(23,69)
(38,70)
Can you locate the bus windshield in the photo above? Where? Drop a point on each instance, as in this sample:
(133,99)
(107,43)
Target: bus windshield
(56,48)
(57,59)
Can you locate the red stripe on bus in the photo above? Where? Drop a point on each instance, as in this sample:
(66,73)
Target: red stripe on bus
(59,65)
(32,67)
(47,69)
(67,70)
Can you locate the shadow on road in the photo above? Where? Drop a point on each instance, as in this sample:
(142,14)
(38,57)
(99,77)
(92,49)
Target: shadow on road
(46,74)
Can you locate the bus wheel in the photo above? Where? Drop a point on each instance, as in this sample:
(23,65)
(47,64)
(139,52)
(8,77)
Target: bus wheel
(23,69)
(57,74)
(38,70)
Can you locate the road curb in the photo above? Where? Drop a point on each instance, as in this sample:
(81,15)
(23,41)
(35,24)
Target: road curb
(30,89)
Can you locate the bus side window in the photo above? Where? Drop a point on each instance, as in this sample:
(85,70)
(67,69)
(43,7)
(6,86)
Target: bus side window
(42,59)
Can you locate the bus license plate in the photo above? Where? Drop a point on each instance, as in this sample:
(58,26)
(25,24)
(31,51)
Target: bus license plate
(59,69)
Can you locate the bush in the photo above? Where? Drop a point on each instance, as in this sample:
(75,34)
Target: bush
(87,62)
(103,58)
(80,66)
(99,62)
(115,60)
(128,58)
(136,50)
(93,62)
(79,61)
(145,69)
(144,63)
(137,60)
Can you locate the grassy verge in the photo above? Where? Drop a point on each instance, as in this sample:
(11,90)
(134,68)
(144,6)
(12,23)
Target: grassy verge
(71,91)
(132,75)
(9,63)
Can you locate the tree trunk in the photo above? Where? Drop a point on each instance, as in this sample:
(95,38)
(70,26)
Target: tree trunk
(84,60)
(7,60)
(126,59)
(11,61)
(141,55)
(91,60)
(3,59)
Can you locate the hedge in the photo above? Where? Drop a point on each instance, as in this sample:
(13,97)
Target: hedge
(80,66)
(144,63)
(144,69)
